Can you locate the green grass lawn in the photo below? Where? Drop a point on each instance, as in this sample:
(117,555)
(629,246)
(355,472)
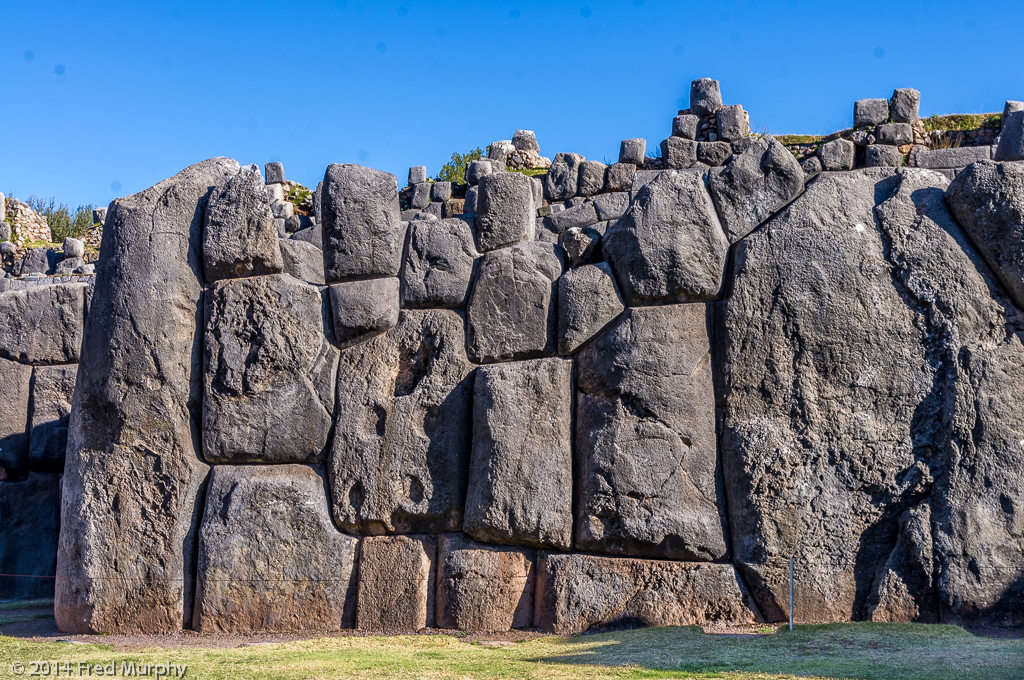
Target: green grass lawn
(862,650)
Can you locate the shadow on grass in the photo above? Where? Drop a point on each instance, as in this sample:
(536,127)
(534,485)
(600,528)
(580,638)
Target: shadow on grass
(867,651)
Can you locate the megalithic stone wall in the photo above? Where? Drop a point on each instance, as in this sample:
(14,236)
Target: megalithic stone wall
(626,395)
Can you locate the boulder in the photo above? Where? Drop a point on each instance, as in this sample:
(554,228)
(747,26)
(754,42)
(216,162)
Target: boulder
(678,153)
(836,155)
(362,309)
(896,134)
(417,174)
(577,593)
(121,564)
(620,177)
(239,234)
(30,512)
(811,168)
(580,243)
(483,588)
(588,300)
(270,559)
(732,123)
(646,457)
(521,464)
(870,112)
(611,206)
(302,260)
(904,105)
(439,263)
(498,153)
(988,201)
(275,173)
(633,151)
(52,390)
(43,324)
(525,140)
(73,248)
(269,372)
(1011,139)
(16,388)
(420,195)
(472,199)
(685,126)
(757,183)
(36,261)
(563,177)
(511,312)
(951,158)
(714,153)
(477,169)
(883,156)
(591,178)
(505,211)
(440,191)
(362,232)
(402,431)
(669,245)
(582,215)
(396,584)
(314,236)
(705,96)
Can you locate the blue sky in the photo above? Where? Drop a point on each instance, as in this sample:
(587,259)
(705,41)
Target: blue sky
(103,99)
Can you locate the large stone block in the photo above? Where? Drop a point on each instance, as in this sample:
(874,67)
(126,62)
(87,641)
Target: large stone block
(522,455)
(477,169)
(269,372)
(16,388)
(732,123)
(29,524)
(633,151)
(837,155)
(512,310)
(439,263)
(669,245)
(121,564)
(714,154)
(611,206)
(52,390)
(582,215)
(870,112)
(401,447)
(562,179)
(505,211)
(239,234)
(1011,139)
(896,134)
(883,156)
(577,593)
(43,325)
(270,558)
(620,176)
(647,480)
(362,230)
(705,96)
(363,309)
(482,588)
(591,178)
(303,260)
(588,300)
(951,158)
(678,153)
(757,183)
(525,140)
(396,584)
(904,105)
(685,126)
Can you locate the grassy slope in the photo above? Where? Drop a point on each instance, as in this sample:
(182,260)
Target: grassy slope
(861,650)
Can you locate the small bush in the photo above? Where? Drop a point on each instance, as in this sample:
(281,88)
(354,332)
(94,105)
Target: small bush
(454,171)
(63,223)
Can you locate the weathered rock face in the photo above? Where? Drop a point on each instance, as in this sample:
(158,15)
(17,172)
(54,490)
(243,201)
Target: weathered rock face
(16,388)
(577,593)
(239,234)
(29,523)
(505,213)
(43,325)
(396,584)
(269,372)
(438,264)
(645,439)
(522,455)
(588,300)
(304,261)
(757,183)
(362,226)
(270,557)
(402,433)
(901,355)
(482,587)
(129,510)
(363,309)
(52,390)
(988,201)
(512,311)
(669,245)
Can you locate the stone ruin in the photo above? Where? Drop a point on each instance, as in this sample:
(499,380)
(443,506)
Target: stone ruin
(623,395)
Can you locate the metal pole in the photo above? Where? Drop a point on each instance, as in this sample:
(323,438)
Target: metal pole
(791,593)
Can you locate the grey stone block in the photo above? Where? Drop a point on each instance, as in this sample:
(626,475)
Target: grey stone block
(283,209)
(36,261)
(562,179)
(99,215)
(281,226)
(73,247)
(16,386)
(43,324)
(417,175)
(879,155)
(420,195)
(685,126)
(579,243)
(705,96)
(591,178)
(811,167)
(588,300)
(611,206)
(274,172)
(582,215)
(441,191)
(620,176)
(362,309)
(1009,108)
(642,178)
(31,513)
(633,151)
(52,390)
(678,153)
(505,211)
(5,231)
(435,210)
(1011,139)
(303,260)
(538,191)
(275,192)
(732,123)
(714,154)
(438,264)
(477,169)
(397,577)
(472,200)
(904,105)
(896,134)
(870,112)
(240,237)
(952,158)
(837,155)
(498,152)
(525,140)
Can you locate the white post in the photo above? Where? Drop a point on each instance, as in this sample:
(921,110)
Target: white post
(791,593)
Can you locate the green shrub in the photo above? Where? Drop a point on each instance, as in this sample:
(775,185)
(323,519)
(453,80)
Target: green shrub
(297,195)
(63,223)
(454,171)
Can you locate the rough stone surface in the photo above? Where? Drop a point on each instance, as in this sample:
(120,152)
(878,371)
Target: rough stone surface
(669,245)
(270,559)
(511,312)
(577,593)
(52,390)
(883,156)
(951,158)
(43,325)
(870,112)
(896,134)
(420,195)
(35,262)
(685,126)
(714,153)
(73,247)
(239,234)
(1011,139)
(705,96)
(836,155)
(525,140)
(483,588)
(757,183)
(588,300)
(522,455)
(362,230)
(988,201)
(611,206)
(582,215)
(647,483)
(303,260)
(16,388)
(904,105)
(396,584)
(401,444)
(477,169)
(363,309)
(732,123)
(620,176)
(580,243)
(30,512)
(439,264)
(417,174)
(505,211)
(591,178)
(269,372)
(678,153)
(633,151)
(121,565)
(563,177)
(275,173)
(440,191)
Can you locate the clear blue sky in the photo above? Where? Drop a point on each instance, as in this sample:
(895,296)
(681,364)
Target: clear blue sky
(103,99)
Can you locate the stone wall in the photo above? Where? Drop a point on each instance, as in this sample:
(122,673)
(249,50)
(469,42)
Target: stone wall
(611,395)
